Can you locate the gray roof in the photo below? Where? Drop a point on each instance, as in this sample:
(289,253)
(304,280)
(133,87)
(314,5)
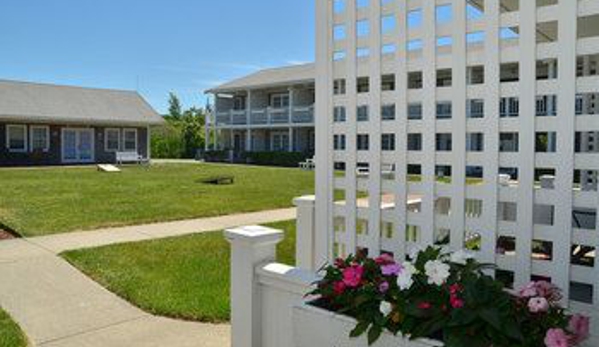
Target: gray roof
(305,73)
(34,102)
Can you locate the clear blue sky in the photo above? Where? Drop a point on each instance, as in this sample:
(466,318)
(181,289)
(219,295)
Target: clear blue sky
(183,46)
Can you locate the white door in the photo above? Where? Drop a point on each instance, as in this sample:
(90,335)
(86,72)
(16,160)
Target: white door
(77,145)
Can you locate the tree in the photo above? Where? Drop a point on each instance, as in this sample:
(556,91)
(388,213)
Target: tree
(174,109)
(183,133)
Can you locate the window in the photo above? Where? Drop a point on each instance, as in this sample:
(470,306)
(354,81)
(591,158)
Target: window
(509,72)
(586,142)
(112,140)
(414,142)
(475,142)
(363,85)
(363,142)
(546,142)
(362,113)
(414,45)
(414,19)
(387,24)
(16,138)
(339,6)
(388,142)
(339,55)
(40,138)
(476,108)
(388,112)
(363,28)
(339,32)
(475,75)
(444,14)
(508,142)
(444,41)
(415,80)
(388,49)
(388,83)
(444,110)
(362,52)
(339,142)
(509,107)
(444,142)
(507,211)
(415,111)
(279,100)
(444,78)
(546,105)
(130,140)
(362,3)
(339,87)
(339,114)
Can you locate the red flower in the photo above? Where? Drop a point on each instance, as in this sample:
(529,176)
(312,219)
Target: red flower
(384,259)
(339,287)
(352,276)
(455,289)
(456,302)
(425,305)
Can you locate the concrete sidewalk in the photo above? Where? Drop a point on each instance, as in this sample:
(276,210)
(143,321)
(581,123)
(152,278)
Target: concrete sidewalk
(57,306)
(101,237)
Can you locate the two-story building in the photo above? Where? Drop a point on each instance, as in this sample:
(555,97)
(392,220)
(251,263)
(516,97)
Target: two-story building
(270,110)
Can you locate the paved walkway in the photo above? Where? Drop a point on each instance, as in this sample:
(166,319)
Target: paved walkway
(57,306)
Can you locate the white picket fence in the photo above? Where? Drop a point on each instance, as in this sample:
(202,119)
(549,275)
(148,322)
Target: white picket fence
(268,302)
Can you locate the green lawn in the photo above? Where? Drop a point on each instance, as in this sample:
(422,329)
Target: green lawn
(184,277)
(48,201)
(10,334)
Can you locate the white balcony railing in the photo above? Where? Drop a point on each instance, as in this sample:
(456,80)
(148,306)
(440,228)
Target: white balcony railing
(266,116)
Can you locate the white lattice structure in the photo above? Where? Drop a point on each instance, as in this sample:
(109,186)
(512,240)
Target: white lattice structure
(487,133)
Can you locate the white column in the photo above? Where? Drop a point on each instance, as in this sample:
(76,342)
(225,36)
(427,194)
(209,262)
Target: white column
(250,247)
(290,149)
(291,103)
(248,113)
(324,156)
(305,232)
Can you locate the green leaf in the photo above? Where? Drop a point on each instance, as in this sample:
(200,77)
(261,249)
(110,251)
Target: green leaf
(373,334)
(359,329)
(491,316)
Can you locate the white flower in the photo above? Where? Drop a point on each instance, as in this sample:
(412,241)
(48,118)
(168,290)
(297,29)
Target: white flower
(415,251)
(404,278)
(385,308)
(461,257)
(437,272)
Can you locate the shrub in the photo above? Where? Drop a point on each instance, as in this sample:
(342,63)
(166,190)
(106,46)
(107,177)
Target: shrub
(285,159)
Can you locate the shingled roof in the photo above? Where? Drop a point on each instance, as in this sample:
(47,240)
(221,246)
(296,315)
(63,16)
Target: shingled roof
(281,76)
(34,102)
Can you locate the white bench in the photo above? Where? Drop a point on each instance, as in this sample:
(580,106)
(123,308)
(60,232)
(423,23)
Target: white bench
(129,157)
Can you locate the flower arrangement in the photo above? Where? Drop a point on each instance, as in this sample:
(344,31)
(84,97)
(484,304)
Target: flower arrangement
(446,296)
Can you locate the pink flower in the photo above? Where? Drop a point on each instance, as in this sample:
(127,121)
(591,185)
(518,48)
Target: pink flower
(384,287)
(391,269)
(455,288)
(425,305)
(548,290)
(352,276)
(538,305)
(579,326)
(339,287)
(384,259)
(529,291)
(456,302)
(556,338)
(340,263)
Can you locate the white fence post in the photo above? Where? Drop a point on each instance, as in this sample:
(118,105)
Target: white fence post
(250,246)
(304,251)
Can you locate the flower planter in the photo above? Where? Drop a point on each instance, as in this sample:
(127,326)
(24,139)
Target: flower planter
(314,326)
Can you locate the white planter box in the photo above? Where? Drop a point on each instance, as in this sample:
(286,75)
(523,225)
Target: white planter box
(315,327)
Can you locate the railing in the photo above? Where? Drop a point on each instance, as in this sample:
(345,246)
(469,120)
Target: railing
(266,116)
(302,115)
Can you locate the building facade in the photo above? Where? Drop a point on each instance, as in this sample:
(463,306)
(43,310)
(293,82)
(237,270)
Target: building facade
(42,124)
(269,111)
(466,124)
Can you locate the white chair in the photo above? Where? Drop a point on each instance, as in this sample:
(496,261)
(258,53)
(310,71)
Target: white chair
(129,157)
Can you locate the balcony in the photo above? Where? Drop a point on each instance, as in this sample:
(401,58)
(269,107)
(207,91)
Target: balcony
(266,116)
